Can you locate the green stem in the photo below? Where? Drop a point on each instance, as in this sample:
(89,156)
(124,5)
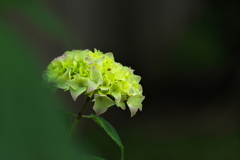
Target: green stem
(122,153)
(83,108)
(79,116)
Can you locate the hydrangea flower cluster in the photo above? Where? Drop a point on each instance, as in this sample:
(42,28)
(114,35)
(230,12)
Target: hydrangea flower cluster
(96,74)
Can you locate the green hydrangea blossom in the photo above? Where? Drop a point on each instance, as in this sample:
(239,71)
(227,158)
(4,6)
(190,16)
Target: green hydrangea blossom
(96,74)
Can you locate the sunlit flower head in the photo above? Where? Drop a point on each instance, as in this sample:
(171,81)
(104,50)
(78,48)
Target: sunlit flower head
(96,75)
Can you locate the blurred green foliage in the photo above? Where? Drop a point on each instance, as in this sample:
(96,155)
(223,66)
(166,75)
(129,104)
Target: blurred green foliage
(31,126)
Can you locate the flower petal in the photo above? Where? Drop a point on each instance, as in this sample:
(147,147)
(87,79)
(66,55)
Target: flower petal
(133,109)
(78,92)
(102,103)
(135,100)
(115,90)
(135,103)
(80,55)
(60,57)
(95,75)
(60,81)
(121,103)
(78,82)
(110,55)
(137,78)
(91,86)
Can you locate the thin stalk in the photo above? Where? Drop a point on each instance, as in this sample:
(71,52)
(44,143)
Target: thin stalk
(122,153)
(79,116)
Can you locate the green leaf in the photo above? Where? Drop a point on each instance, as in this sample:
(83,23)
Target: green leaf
(108,128)
(90,157)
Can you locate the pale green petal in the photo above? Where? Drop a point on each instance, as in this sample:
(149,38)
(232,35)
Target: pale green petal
(50,76)
(125,86)
(67,75)
(67,63)
(121,104)
(110,76)
(95,75)
(133,109)
(134,103)
(95,50)
(68,53)
(96,79)
(92,86)
(83,71)
(62,57)
(137,89)
(115,91)
(129,90)
(105,84)
(72,83)
(80,55)
(104,88)
(83,81)
(78,82)
(137,78)
(88,59)
(110,55)
(99,61)
(76,93)
(61,85)
(103,92)
(102,103)
(60,82)
(135,100)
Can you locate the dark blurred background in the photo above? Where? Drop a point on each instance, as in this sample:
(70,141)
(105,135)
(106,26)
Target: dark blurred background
(187,53)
